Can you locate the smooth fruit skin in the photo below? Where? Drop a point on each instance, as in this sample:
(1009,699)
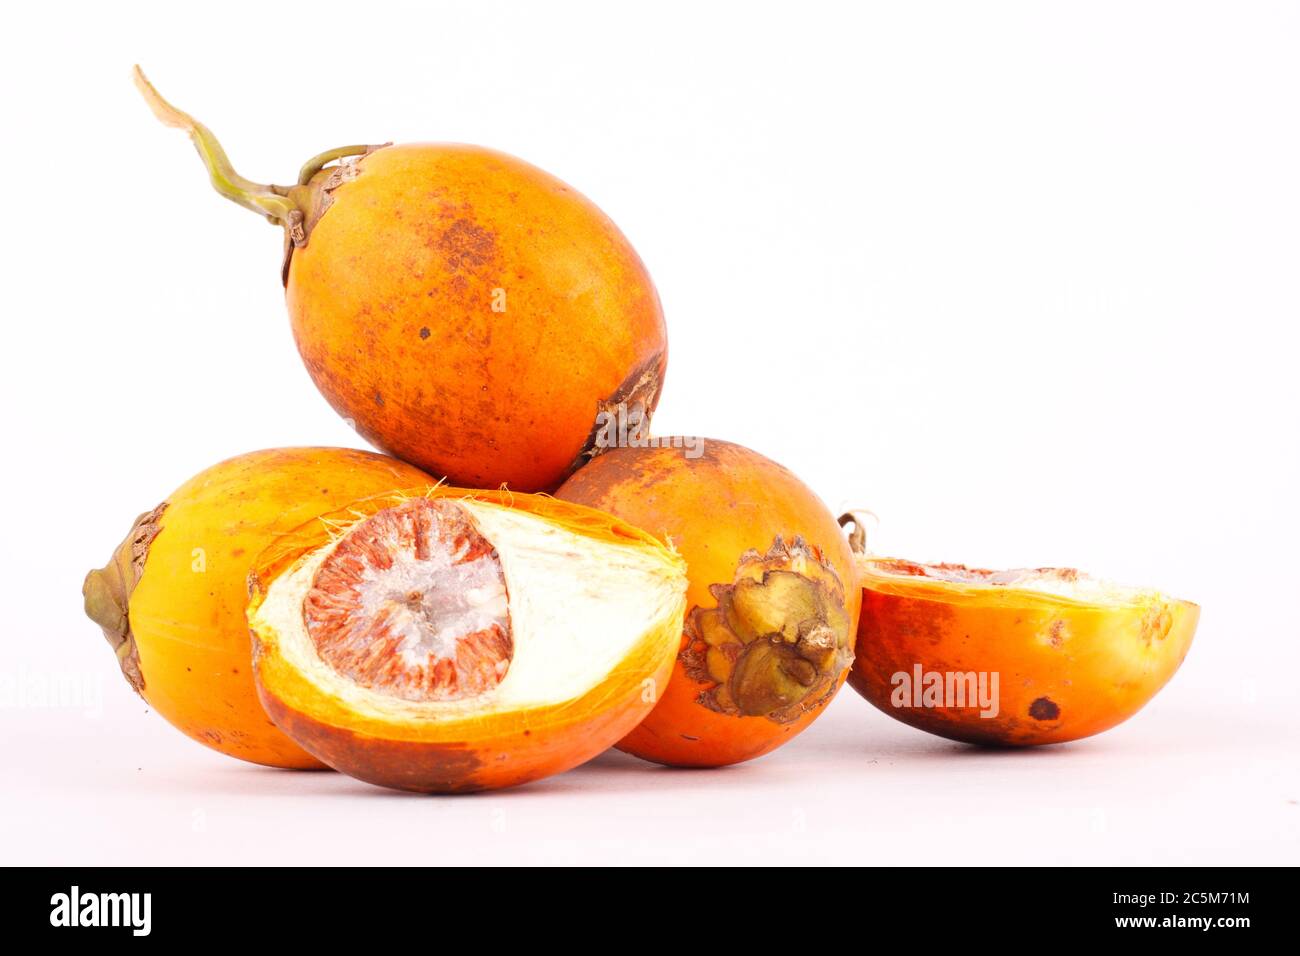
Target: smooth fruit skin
(485,751)
(1065,669)
(712,508)
(529,752)
(472,314)
(186,612)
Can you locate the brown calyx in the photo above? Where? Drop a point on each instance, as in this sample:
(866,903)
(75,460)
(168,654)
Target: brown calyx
(107,593)
(778,639)
(314,195)
(623,418)
(412,603)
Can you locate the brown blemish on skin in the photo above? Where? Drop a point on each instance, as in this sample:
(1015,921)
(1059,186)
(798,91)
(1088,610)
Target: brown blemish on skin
(1056,633)
(1044,708)
(624,471)
(424,332)
(465,245)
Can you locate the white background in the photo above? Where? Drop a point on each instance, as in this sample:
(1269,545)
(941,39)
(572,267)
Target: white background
(1020,278)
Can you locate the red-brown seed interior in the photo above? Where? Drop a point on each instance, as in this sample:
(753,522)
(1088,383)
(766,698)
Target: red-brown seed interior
(412,602)
(960,574)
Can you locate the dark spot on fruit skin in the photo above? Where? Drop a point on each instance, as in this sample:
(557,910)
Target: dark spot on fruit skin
(424,332)
(1044,708)
(1056,631)
(465,245)
(379,400)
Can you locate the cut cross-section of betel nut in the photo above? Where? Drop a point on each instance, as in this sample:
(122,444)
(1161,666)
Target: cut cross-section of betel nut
(463,640)
(1012,658)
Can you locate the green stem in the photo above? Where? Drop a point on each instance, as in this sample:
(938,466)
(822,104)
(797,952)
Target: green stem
(268,200)
(317,163)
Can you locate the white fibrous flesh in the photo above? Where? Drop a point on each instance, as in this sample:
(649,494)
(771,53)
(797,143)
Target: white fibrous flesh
(1066,583)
